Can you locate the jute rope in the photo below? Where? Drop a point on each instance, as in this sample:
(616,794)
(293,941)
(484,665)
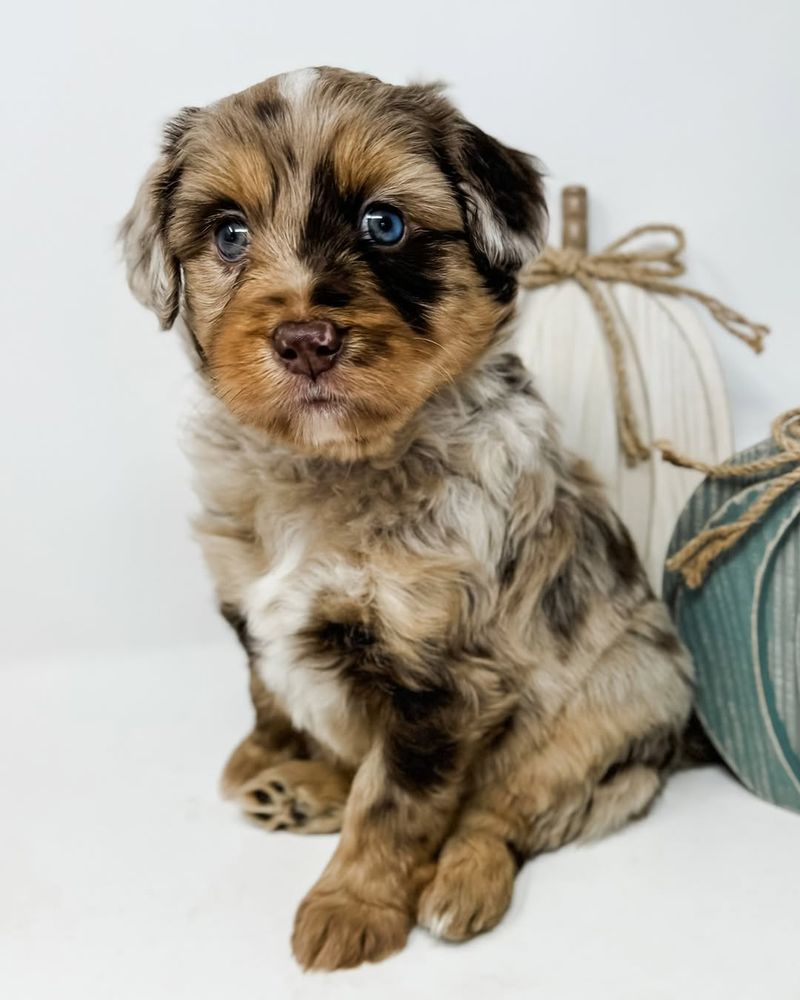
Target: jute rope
(650,269)
(696,556)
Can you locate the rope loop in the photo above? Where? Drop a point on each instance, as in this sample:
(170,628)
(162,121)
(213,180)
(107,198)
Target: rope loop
(651,268)
(694,559)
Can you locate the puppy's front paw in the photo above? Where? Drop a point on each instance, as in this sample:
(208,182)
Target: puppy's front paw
(471,890)
(304,796)
(334,929)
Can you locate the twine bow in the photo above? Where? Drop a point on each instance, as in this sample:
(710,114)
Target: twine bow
(696,556)
(653,270)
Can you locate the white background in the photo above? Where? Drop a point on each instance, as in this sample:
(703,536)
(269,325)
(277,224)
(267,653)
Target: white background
(686,112)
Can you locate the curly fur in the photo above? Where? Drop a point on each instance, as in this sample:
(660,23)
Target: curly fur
(455,654)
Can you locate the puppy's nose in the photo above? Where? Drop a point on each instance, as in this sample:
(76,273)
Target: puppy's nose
(308,348)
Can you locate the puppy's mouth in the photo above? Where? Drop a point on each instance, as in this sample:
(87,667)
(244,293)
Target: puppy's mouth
(318,396)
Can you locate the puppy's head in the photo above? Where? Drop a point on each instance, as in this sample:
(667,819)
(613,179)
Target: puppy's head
(337,249)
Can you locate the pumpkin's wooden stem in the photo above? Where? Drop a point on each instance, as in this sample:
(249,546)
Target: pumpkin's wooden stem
(574,230)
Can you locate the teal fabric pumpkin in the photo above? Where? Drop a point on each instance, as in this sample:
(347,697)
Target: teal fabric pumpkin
(742,626)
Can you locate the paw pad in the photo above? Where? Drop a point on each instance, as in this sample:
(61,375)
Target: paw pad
(296,795)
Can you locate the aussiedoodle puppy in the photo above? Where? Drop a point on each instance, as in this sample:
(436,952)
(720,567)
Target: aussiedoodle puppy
(455,656)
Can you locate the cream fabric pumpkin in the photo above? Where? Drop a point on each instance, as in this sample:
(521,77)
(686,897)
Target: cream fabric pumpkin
(675,384)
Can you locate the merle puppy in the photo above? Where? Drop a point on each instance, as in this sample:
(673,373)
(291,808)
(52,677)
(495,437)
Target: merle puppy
(454,652)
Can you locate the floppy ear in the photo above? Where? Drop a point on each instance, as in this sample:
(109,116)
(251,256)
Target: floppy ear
(503,197)
(154,273)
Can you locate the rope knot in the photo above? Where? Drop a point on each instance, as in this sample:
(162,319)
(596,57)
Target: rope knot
(568,261)
(654,270)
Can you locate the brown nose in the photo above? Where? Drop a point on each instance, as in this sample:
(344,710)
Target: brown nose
(308,348)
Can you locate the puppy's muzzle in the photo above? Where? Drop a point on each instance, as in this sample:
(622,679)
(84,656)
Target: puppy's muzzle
(308,348)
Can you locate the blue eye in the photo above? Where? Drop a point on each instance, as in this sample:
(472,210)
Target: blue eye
(232,239)
(383,224)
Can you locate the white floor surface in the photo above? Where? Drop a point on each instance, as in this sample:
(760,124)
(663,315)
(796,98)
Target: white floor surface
(122,875)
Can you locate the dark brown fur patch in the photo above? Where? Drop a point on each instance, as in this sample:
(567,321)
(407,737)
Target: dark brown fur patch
(238,623)
(620,551)
(564,601)
(656,749)
(270,109)
(667,641)
(500,733)
(517,856)
(663,638)
(421,748)
(383,809)
(342,636)
(177,127)
(420,757)
(414,710)
(504,175)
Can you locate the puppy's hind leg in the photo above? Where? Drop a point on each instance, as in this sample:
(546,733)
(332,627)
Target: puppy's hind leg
(505,823)
(304,796)
(607,758)
(601,764)
(273,781)
(273,740)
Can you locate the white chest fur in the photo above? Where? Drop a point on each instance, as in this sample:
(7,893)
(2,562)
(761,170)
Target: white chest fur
(279,607)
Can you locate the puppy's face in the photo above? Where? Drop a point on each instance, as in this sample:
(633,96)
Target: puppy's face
(337,249)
